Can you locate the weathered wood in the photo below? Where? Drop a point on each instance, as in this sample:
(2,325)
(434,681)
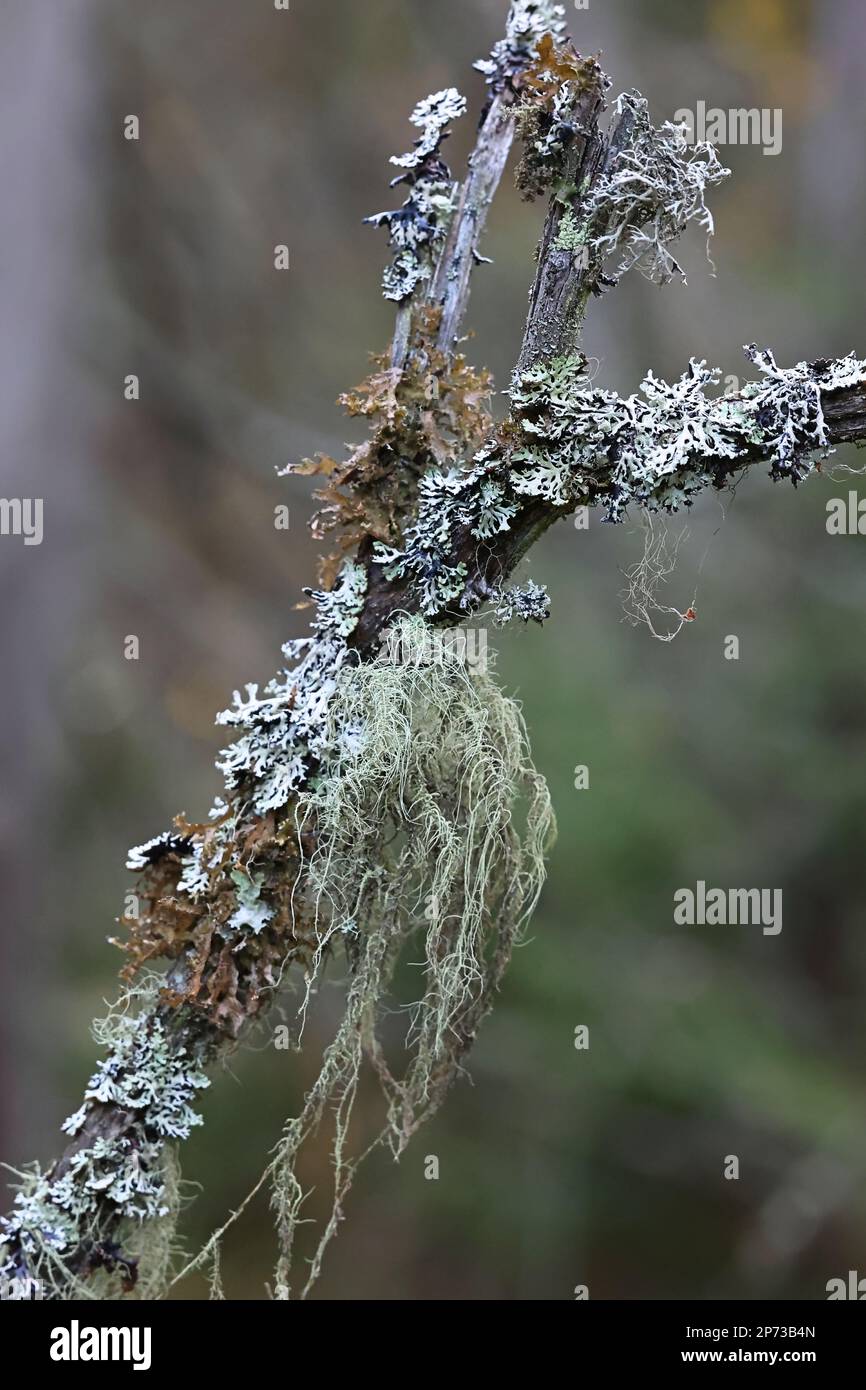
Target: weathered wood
(564,278)
(449,291)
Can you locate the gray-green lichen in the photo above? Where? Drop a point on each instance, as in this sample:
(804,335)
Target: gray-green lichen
(573,444)
(282,733)
(154,1083)
(528,22)
(252,913)
(651,190)
(419,225)
(660,447)
(528,602)
(282,730)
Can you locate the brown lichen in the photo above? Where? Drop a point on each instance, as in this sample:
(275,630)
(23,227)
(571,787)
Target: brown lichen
(431,411)
(225,977)
(549,92)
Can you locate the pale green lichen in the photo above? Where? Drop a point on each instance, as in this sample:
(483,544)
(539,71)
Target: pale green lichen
(431,827)
(252,914)
(573,444)
(657,449)
(571,235)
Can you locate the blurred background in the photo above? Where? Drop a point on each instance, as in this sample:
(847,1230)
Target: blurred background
(558,1167)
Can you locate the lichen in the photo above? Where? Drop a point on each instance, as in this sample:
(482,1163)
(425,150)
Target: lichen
(151,1081)
(431,827)
(528,22)
(657,449)
(284,728)
(141,856)
(387,809)
(238,863)
(415,228)
(432,410)
(546,127)
(252,913)
(528,602)
(787,407)
(654,187)
(570,235)
(570,444)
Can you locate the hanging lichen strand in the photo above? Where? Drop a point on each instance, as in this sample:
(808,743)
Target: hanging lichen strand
(379,800)
(431,827)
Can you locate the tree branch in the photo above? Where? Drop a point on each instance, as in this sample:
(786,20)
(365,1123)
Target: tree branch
(221,901)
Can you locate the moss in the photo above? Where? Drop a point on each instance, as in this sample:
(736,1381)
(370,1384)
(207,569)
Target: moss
(433,410)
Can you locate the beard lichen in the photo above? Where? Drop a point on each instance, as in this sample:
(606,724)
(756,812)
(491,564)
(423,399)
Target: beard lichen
(430,827)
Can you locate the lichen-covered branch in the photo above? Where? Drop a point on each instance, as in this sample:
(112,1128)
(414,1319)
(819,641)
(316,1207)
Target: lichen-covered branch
(231,903)
(567,444)
(506,72)
(381,806)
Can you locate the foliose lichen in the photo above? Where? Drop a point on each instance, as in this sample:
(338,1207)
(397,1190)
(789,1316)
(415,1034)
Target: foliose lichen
(660,447)
(283,735)
(528,22)
(528,602)
(571,444)
(788,407)
(547,122)
(284,728)
(415,228)
(154,1083)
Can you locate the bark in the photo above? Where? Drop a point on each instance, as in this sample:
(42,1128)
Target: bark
(450,288)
